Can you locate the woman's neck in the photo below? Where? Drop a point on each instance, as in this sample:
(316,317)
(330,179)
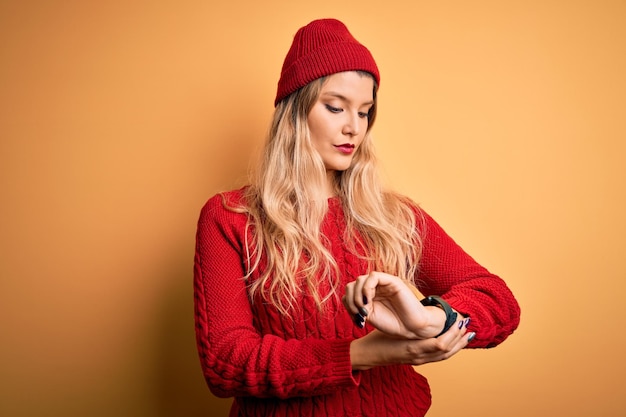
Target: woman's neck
(330,189)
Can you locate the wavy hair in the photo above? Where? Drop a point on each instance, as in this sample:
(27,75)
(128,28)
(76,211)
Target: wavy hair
(285,212)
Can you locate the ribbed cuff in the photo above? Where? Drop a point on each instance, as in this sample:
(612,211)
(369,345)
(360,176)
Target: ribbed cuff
(342,369)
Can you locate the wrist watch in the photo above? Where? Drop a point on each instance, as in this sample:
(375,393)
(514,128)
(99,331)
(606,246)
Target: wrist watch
(451,315)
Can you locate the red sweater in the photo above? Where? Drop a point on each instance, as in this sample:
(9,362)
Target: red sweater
(300,366)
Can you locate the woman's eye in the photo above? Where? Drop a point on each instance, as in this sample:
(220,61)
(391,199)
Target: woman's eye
(333,109)
(363,115)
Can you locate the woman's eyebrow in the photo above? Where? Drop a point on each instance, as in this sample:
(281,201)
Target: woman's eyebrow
(344,98)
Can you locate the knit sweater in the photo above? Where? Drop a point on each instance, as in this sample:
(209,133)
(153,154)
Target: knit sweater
(299,365)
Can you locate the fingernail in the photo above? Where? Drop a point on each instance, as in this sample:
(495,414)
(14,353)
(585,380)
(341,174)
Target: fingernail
(359,320)
(471,336)
(461,323)
(364,300)
(467,321)
(362,311)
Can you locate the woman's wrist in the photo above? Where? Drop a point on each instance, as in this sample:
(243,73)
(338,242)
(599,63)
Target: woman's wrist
(436,321)
(358,357)
(374,349)
(363,355)
(450,314)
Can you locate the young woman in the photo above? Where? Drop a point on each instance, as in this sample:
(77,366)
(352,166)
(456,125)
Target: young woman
(308,281)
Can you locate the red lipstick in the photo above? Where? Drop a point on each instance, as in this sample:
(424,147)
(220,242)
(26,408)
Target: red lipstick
(346,148)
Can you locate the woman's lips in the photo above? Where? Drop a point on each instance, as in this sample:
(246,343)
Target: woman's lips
(346,148)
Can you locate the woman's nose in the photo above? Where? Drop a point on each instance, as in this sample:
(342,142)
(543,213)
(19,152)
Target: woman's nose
(352,125)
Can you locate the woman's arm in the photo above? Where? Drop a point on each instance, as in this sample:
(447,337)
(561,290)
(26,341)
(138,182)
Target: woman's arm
(445,270)
(236,359)
(448,271)
(378,348)
(393,306)
(407,332)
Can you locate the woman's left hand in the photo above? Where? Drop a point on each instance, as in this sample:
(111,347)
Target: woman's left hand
(389,304)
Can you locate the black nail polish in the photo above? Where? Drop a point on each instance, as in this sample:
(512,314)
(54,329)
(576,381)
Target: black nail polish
(359,320)
(471,337)
(461,324)
(467,321)
(365,300)
(362,311)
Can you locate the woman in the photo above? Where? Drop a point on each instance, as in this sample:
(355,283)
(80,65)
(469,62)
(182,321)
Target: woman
(308,281)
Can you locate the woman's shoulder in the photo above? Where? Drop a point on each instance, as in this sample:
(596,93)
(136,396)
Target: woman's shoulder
(225,204)
(230,198)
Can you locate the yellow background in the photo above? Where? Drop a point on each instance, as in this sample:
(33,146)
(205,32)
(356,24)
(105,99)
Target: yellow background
(506,120)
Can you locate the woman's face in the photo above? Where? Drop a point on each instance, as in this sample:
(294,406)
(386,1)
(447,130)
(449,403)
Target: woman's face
(338,120)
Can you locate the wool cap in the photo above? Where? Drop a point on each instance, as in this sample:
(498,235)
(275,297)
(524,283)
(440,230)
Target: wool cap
(323,47)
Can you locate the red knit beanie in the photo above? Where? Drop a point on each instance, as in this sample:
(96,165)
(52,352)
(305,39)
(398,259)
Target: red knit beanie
(323,47)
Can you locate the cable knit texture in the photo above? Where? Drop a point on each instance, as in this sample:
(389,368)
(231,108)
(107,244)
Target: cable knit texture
(300,365)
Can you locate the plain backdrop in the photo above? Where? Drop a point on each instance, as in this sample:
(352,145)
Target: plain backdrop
(505,120)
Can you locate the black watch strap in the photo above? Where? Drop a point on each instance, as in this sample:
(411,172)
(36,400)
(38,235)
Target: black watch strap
(451,315)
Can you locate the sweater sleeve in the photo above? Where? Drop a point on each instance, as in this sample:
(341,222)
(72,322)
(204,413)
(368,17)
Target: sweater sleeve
(236,359)
(447,270)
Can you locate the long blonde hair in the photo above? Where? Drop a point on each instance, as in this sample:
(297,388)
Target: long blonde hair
(285,212)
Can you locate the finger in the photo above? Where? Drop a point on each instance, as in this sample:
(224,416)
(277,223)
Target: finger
(362,296)
(348,303)
(390,286)
(414,290)
(462,324)
(460,341)
(455,333)
(348,299)
(371,283)
(453,350)
(437,351)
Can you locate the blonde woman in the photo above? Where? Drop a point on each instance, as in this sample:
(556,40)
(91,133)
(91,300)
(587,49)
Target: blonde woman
(308,281)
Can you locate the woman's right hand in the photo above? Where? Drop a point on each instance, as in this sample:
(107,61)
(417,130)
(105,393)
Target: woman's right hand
(377,348)
(393,306)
